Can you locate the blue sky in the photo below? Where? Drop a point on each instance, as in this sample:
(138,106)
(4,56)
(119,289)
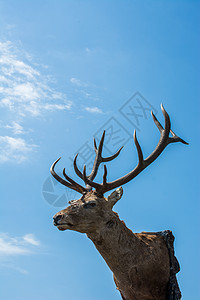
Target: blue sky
(68,69)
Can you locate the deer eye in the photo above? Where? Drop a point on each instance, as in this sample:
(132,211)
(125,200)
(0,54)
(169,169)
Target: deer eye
(89,205)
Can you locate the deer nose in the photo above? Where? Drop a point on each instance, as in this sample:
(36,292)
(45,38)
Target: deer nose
(56,219)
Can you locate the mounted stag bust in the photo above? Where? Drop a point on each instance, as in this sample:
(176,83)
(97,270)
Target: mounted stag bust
(143,264)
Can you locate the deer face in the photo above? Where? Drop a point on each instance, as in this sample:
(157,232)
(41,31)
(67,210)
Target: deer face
(88,213)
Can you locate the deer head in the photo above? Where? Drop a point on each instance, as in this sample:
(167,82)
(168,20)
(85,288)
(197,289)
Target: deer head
(88,214)
(92,210)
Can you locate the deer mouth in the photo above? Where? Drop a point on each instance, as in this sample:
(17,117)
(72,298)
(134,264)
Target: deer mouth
(59,222)
(68,224)
(64,225)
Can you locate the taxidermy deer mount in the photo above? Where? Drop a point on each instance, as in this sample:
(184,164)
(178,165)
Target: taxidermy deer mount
(143,264)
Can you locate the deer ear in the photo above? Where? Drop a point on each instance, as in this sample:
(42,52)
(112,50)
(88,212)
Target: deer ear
(115,196)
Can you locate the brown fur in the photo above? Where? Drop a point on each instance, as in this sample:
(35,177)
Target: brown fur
(139,261)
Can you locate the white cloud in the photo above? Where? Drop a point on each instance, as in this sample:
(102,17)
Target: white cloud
(33,108)
(16,128)
(14,149)
(10,246)
(24,88)
(78,82)
(30,239)
(95,110)
(24,92)
(7,247)
(54,107)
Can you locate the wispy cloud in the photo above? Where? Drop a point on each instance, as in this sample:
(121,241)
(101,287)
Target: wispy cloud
(15,127)
(10,246)
(24,92)
(23,88)
(52,107)
(78,82)
(85,90)
(93,110)
(31,239)
(13,266)
(14,149)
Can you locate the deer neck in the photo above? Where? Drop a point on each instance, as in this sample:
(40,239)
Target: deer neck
(116,243)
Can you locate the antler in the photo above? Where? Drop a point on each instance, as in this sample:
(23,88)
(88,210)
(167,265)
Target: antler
(98,160)
(142,163)
(70,183)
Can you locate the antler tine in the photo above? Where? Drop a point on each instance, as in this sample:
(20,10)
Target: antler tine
(164,137)
(95,145)
(88,181)
(101,143)
(142,164)
(111,185)
(167,123)
(175,138)
(78,172)
(98,160)
(106,159)
(64,182)
(157,122)
(80,188)
(105,176)
(139,149)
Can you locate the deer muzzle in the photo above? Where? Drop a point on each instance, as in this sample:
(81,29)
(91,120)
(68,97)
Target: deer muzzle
(61,223)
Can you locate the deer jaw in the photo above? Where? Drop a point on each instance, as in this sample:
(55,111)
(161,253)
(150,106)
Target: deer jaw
(89,213)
